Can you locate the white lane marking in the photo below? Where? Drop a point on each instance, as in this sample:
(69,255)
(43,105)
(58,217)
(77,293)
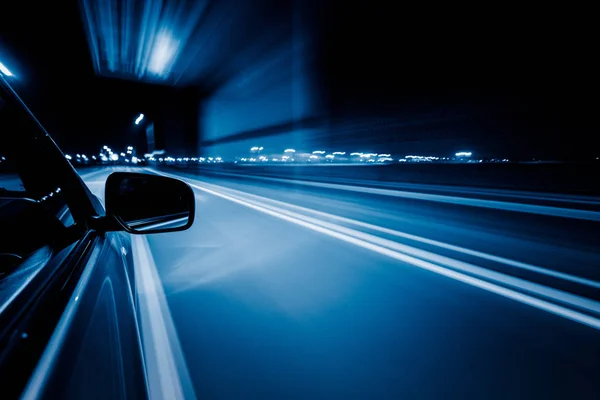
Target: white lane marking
(447,246)
(88,175)
(464,201)
(168,375)
(357,238)
(471,269)
(563,198)
(458,249)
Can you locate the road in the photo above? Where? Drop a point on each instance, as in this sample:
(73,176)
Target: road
(282,290)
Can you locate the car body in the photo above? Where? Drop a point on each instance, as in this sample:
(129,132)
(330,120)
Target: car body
(68,302)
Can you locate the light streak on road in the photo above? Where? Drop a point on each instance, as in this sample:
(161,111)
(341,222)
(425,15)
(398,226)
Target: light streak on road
(465,201)
(370,283)
(167,372)
(435,263)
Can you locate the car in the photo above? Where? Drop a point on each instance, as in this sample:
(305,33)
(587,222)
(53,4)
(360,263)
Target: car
(69,324)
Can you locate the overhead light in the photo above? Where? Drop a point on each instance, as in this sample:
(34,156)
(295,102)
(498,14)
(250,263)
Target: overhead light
(163,54)
(4,70)
(139,119)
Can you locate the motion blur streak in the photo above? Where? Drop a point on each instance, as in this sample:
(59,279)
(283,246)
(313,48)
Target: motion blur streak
(138,39)
(444,265)
(490,257)
(498,205)
(288,291)
(252,79)
(168,376)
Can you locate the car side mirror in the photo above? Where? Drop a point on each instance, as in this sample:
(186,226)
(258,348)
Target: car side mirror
(145,203)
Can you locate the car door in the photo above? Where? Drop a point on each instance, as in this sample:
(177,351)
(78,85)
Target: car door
(68,325)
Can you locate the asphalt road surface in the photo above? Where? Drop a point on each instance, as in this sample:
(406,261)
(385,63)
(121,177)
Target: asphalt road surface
(285,290)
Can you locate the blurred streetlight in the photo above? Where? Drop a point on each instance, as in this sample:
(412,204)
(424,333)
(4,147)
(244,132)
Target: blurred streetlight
(463,154)
(5,71)
(139,119)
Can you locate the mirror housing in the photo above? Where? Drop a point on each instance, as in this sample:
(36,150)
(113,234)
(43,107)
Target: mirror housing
(145,203)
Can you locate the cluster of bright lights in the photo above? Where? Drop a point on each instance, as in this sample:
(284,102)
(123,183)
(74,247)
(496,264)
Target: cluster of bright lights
(288,155)
(106,154)
(422,158)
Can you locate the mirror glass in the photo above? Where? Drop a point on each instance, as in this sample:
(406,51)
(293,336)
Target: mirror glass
(144,203)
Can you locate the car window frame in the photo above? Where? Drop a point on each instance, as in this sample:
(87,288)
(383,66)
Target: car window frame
(79,199)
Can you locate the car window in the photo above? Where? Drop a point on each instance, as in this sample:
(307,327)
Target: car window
(13,185)
(9,178)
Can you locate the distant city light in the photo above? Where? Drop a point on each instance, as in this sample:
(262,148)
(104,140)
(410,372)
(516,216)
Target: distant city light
(139,119)
(4,70)
(317,156)
(255,148)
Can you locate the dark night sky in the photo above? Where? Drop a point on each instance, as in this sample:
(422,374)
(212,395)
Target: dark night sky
(505,79)
(521,76)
